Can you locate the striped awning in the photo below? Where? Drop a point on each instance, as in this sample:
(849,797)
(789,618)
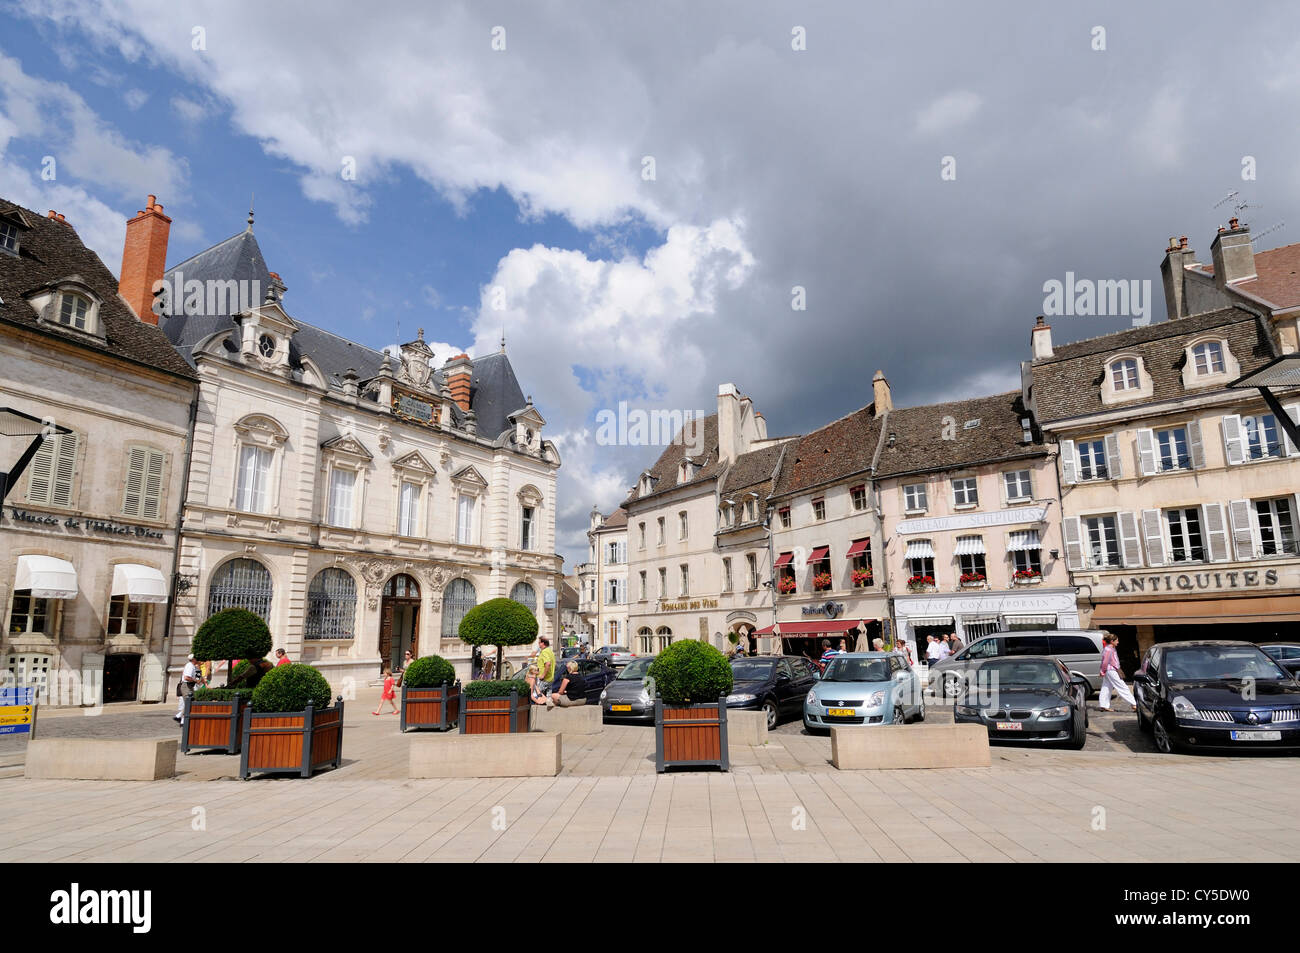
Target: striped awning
(1023,539)
(858,548)
(930,620)
(1047,618)
(783,560)
(979,619)
(969,545)
(919,549)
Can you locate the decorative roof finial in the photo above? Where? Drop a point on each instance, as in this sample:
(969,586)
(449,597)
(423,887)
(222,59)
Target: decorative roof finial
(419,335)
(503,339)
(250,210)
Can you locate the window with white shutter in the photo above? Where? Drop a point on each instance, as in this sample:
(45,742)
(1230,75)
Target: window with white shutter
(1155,537)
(342,485)
(142,496)
(1113,464)
(1276,522)
(1288,445)
(1186,539)
(1243,535)
(254,474)
(53,469)
(1128,537)
(1234,440)
(1216,532)
(1071,531)
(1069,462)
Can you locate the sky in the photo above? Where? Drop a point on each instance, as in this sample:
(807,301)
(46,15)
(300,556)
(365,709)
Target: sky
(650,200)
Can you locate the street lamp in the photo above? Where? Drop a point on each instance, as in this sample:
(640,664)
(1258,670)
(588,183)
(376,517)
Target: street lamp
(1281,372)
(20,437)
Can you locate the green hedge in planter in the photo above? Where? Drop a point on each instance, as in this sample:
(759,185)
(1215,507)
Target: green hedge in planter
(489,689)
(429,672)
(205,694)
(690,672)
(290,687)
(231,634)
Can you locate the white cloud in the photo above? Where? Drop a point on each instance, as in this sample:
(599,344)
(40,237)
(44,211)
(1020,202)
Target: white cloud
(948,112)
(188,109)
(135,98)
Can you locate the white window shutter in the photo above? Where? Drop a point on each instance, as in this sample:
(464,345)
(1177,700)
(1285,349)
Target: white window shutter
(1146,446)
(1292,411)
(1069,462)
(1073,542)
(1154,531)
(262,460)
(1195,445)
(134,491)
(1113,463)
(65,470)
(1234,439)
(1243,536)
(1129,546)
(1216,532)
(151,504)
(42,472)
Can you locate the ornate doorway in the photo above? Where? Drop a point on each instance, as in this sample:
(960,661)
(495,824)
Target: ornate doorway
(399,621)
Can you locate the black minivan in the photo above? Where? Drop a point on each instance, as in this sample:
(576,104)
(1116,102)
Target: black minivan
(1078,649)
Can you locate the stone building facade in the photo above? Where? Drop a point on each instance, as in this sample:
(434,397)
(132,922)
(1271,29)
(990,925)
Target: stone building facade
(603,579)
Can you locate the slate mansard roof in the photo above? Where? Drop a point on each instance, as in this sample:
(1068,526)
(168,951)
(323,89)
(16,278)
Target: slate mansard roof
(51,252)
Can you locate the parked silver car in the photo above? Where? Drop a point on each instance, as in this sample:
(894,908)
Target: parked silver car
(1078,649)
(864,688)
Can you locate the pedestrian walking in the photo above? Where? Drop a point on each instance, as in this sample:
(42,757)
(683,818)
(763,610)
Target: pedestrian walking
(191,678)
(955,644)
(389,695)
(1111,678)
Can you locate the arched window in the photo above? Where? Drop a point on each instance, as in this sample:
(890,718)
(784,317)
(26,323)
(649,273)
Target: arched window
(664,636)
(458,599)
(1208,358)
(402,587)
(331,606)
(241,584)
(524,593)
(645,641)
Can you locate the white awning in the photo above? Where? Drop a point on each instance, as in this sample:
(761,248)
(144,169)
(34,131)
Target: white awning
(978,619)
(1048,618)
(139,583)
(47,577)
(930,620)
(969,545)
(919,549)
(1023,539)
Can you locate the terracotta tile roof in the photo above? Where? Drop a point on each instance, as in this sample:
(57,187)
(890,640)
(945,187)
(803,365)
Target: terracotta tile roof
(836,451)
(1068,384)
(615,520)
(755,470)
(1278,277)
(50,251)
(664,470)
(920,444)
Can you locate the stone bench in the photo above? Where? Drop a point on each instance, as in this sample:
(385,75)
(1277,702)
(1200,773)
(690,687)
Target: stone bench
(582,720)
(746,728)
(101,759)
(910,746)
(523,755)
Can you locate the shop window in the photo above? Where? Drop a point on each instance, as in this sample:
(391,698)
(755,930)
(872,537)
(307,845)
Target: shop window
(127,618)
(30,616)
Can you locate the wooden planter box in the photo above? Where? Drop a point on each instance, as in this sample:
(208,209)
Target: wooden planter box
(692,735)
(494,715)
(213,724)
(437,707)
(292,742)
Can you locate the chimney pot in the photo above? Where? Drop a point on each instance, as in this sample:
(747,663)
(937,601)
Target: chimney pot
(144,259)
(153,200)
(1182,242)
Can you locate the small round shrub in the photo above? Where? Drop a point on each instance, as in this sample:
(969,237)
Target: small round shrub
(290,687)
(690,672)
(429,672)
(231,634)
(487,689)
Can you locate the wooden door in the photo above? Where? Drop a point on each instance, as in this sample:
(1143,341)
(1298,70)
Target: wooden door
(415,630)
(385,635)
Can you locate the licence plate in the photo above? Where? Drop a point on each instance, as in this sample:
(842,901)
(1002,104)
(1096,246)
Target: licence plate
(1256,736)
(620,707)
(841,712)
(1010,726)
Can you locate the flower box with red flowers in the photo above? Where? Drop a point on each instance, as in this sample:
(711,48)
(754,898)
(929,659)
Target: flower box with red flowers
(862,577)
(822,581)
(786,585)
(1027,577)
(920,582)
(971,579)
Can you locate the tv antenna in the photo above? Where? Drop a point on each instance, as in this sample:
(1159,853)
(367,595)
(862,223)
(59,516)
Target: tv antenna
(1242,206)
(1227,198)
(1269,230)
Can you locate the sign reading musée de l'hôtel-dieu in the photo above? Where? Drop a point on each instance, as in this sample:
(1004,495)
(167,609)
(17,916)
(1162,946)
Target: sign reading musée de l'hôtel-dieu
(90,524)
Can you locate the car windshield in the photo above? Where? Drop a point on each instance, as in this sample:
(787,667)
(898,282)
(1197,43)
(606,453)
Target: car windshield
(1209,663)
(857,670)
(751,670)
(635,670)
(1032,673)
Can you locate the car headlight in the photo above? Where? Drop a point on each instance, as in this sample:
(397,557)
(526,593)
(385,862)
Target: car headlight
(877,699)
(967,711)
(1184,709)
(604,693)
(1061,712)
(741,698)
(811,697)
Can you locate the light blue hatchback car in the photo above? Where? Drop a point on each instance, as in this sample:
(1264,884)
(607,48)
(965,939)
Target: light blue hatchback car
(864,688)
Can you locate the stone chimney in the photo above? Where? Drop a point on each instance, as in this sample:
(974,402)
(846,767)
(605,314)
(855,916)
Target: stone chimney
(596,519)
(1234,258)
(729,408)
(144,259)
(1173,272)
(1040,339)
(458,372)
(760,422)
(881,399)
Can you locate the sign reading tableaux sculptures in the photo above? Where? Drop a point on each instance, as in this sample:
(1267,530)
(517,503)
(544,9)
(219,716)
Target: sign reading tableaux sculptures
(17,710)
(939,524)
(413,407)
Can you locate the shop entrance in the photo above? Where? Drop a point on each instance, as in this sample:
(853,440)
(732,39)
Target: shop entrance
(923,633)
(399,621)
(121,678)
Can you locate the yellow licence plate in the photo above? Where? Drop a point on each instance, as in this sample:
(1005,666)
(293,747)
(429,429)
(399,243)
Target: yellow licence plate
(845,712)
(620,707)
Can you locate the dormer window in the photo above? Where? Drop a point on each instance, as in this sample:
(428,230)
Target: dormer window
(9,238)
(1124,374)
(266,346)
(74,310)
(1207,357)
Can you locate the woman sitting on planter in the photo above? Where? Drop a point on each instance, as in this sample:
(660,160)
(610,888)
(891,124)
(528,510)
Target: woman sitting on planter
(572,690)
(535,693)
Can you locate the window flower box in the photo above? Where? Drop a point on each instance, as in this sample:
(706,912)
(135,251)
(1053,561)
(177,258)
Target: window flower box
(822,581)
(862,577)
(1027,577)
(920,584)
(786,585)
(971,580)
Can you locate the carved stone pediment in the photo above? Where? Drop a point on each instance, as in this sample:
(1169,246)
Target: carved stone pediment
(414,462)
(347,444)
(469,476)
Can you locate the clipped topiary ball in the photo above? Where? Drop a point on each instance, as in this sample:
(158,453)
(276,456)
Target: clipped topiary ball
(498,622)
(690,672)
(231,634)
(290,687)
(429,672)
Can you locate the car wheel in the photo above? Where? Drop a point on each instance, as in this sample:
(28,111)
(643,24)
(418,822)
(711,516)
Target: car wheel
(1079,737)
(900,716)
(1164,742)
(920,713)
(772,712)
(951,685)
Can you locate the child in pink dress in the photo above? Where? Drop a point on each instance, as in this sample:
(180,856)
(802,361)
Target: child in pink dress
(389,694)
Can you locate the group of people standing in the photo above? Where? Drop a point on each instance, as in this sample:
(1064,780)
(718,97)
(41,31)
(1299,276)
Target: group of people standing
(939,647)
(197,674)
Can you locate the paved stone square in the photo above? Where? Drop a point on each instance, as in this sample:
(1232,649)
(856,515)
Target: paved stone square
(783,802)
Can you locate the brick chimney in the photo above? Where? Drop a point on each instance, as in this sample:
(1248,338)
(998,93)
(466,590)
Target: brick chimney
(881,399)
(1234,257)
(459,371)
(1040,339)
(1173,272)
(144,259)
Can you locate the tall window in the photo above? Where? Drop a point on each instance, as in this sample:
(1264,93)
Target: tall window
(126,617)
(1018,486)
(749,511)
(819,509)
(681,525)
(751,565)
(970,557)
(1028,561)
(914,499)
(331,606)
(342,484)
(458,599)
(643,586)
(1208,358)
(1102,541)
(143,493)
(52,471)
(641,527)
(526,540)
(611,629)
(465,519)
(661,530)
(1276,526)
(663,583)
(645,641)
(408,511)
(862,573)
(1172,447)
(726,574)
(859,495)
(784,513)
(252,490)
(614,592)
(524,594)
(964,492)
(1185,541)
(1124,374)
(1092,460)
(921,566)
(686,579)
(1262,436)
(74,310)
(241,584)
(29,616)
(615,553)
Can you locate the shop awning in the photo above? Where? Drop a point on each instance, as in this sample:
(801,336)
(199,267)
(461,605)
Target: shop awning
(783,560)
(969,545)
(1198,611)
(139,583)
(801,630)
(47,577)
(980,619)
(919,549)
(818,554)
(1022,539)
(858,548)
(1046,618)
(916,620)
